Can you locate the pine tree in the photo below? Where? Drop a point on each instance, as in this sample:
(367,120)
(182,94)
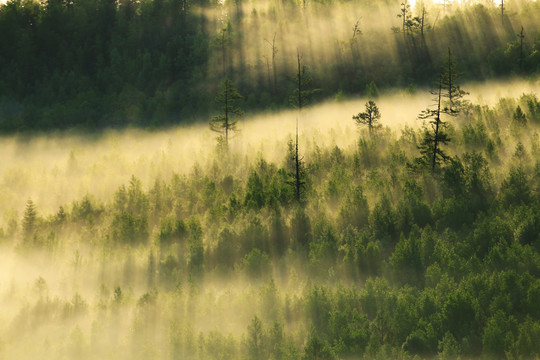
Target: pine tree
(406,16)
(370,117)
(434,135)
(227,120)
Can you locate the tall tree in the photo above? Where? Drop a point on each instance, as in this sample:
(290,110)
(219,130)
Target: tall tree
(226,122)
(370,117)
(521,36)
(303,86)
(434,135)
(298,172)
(449,83)
(502,11)
(300,97)
(406,17)
(274,53)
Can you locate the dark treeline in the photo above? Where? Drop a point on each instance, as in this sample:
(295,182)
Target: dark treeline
(98,64)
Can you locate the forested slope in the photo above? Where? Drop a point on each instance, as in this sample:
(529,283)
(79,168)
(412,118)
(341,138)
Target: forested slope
(380,259)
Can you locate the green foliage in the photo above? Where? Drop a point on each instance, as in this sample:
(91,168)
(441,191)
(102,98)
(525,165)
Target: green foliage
(29,220)
(301,227)
(154,63)
(355,211)
(498,336)
(372,91)
(171,231)
(519,116)
(406,261)
(256,263)
(515,189)
(255,196)
(130,221)
(196,248)
(317,350)
(377,261)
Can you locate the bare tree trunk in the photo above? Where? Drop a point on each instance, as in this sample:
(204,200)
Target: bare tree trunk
(521,37)
(226,116)
(297,163)
(437,123)
(299,82)
(274,52)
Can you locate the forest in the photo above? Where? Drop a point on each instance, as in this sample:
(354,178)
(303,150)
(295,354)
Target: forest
(269,180)
(100,64)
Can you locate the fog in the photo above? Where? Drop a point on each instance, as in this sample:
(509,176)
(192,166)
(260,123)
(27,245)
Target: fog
(341,57)
(86,301)
(58,168)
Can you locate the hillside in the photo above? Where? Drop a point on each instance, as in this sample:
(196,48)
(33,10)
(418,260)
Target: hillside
(211,257)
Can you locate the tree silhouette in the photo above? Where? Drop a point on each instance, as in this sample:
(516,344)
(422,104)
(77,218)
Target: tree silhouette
(406,16)
(449,83)
(274,52)
(521,36)
(300,97)
(434,135)
(303,86)
(370,117)
(298,173)
(29,219)
(226,122)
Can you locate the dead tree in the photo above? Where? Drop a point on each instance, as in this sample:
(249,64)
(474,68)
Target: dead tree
(274,52)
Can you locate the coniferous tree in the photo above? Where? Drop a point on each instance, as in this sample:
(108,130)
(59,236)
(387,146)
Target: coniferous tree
(519,116)
(370,117)
(406,16)
(300,97)
(226,122)
(452,91)
(434,135)
(29,219)
(303,86)
(255,339)
(297,172)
